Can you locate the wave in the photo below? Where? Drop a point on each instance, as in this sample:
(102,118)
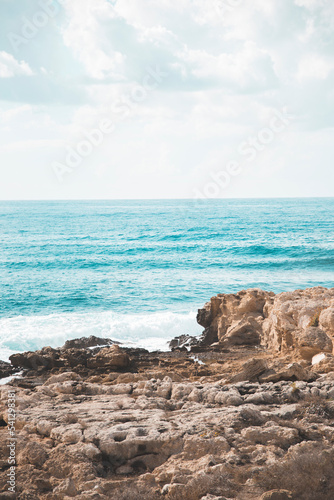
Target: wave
(151,331)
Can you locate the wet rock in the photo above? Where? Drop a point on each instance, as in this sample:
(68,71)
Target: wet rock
(204,315)
(46,358)
(108,422)
(6,369)
(183,342)
(85,342)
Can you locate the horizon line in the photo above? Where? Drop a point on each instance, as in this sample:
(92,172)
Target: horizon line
(169,199)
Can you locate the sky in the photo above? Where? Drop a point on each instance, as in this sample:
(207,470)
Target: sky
(108,99)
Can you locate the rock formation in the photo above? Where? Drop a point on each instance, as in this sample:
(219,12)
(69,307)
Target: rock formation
(301,321)
(250,418)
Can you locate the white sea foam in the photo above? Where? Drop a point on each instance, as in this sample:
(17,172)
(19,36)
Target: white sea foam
(151,331)
(5,381)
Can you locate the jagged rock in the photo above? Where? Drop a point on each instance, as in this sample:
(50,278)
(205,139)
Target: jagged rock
(300,321)
(33,453)
(204,316)
(121,423)
(311,341)
(271,433)
(6,369)
(67,488)
(326,319)
(291,313)
(85,342)
(324,365)
(244,332)
(46,358)
(251,371)
(292,372)
(112,357)
(226,310)
(183,341)
(136,433)
(109,357)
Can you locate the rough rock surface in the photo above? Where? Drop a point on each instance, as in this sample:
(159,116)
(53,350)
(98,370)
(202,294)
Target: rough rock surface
(167,427)
(302,321)
(6,369)
(91,341)
(245,422)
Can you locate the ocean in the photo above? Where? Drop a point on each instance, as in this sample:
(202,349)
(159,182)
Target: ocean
(137,271)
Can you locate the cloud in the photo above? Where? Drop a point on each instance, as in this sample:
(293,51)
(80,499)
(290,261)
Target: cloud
(246,69)
(84,36)
(314,66)
(228,65)
(10,67)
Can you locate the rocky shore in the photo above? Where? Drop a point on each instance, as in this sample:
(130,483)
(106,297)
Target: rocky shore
(244,412)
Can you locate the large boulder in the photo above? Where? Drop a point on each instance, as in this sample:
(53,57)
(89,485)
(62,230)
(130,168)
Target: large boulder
(301,321)
(246,331)
(231,315)
(46,358)
(6,369)
(85,342)
(291,317)
(109,357)
(313,340)
(326,319)
(251,371)
(112,357)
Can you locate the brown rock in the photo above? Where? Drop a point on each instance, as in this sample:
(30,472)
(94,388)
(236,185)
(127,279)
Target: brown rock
(313,340)
(277,495)
(290,316)
(45,358)
(109,357)
(244,332)
(67,488)
(326,320)
(292,372)
(251,371)
(33,453)
(301,321)
(6,369)
(204,315)
(85,342)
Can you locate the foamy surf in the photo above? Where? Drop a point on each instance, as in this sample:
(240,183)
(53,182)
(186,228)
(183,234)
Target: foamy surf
(150,331)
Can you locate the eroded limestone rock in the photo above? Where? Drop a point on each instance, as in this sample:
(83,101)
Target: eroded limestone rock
(301,321)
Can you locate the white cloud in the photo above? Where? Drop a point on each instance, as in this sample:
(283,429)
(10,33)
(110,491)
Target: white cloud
(228,69)
(84,36)
(241,69)
(10,67)
(314,66)
(310,4)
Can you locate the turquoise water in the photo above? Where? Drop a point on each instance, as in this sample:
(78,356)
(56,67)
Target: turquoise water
(138,270)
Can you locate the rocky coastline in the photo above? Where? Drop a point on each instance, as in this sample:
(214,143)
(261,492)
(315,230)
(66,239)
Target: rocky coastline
(244,412)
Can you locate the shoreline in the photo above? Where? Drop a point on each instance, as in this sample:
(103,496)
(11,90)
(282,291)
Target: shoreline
(235,414)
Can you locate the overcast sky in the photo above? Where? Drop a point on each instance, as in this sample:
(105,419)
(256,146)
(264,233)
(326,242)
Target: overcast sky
(192,98)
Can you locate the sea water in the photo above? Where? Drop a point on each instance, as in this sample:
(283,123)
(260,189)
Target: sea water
(137,271)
